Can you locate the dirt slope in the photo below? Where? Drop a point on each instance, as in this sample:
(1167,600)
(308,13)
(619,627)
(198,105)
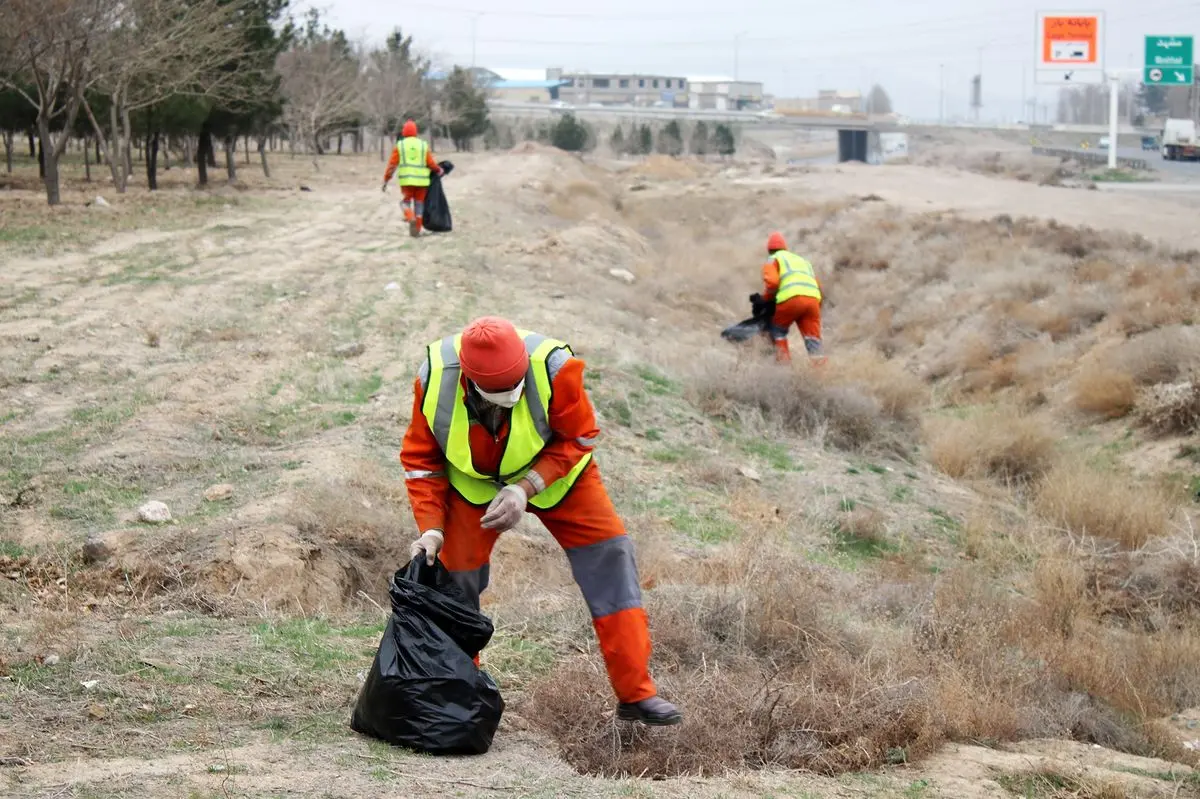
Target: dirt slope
(226,647)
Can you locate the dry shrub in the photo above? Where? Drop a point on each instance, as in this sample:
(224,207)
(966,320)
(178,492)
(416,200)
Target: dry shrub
(1104,391)
(799,400)
(1003,444)
(901,394)
(1159,356)
(1060,586)
(767,678)
(1084,501)
(1172,409)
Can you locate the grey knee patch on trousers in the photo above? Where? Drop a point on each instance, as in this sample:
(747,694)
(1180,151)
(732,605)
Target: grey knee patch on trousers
(778,333)
(473,582)
(813,345)
(606,573)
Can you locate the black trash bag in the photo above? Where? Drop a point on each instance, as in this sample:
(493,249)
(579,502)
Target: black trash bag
(424,692)
(436,217)
(758,324)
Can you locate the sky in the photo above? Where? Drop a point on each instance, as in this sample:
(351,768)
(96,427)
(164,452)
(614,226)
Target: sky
(794,47)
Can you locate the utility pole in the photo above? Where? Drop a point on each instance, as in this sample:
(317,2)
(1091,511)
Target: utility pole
(1024,96)
(736,44)
(942,94)
(474,19)
(978,98)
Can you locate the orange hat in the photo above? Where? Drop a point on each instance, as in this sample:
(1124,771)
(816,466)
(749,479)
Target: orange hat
(492,354)
(775,242)
(409,129)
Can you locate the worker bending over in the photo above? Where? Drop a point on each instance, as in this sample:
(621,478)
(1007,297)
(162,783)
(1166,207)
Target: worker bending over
(790,280)
(412,161)
(501,424)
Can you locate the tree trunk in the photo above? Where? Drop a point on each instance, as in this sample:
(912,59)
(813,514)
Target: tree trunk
(246,147)
(96,144)
(202,154)
(127,133)
(112,148)
(187,149)
(339,144)
(152,161)
(231,157)
(8,145)
(41,158)
(262,153)
(49,162)
(383,148)
(33,143)
(166,154)
(87,159)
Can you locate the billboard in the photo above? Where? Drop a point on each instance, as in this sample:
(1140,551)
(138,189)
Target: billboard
(1070,47)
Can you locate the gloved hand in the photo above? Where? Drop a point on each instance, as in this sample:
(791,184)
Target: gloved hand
(756,299)
(430,543)
(384,187)
(506,509)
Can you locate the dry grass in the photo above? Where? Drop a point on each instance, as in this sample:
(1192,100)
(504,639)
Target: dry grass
(1003,444)
(1085,502)
(1104,391)
(800,400)
(1172,409)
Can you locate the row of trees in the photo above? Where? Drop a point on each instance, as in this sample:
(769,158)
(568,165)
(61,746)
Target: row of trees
(208,71)
(1088,105)
(573,135)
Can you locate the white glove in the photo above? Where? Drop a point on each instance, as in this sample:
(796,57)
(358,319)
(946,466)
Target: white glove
(506,509)
(430,543)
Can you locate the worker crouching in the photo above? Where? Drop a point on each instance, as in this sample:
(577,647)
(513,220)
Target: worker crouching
(793,284)
(501,423)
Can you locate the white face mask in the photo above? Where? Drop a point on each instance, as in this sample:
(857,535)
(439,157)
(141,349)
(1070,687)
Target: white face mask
(505,399)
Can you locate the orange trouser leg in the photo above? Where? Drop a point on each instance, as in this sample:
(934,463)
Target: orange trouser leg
(587,527)
(468,547)
(805,313)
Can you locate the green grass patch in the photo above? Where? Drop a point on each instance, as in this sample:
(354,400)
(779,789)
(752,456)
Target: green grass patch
(847,542)
(707,525)
(777,455)
(311,643)
(94,501)
(944,522)
(11,549)
(1120,175)
(1044,783)
(656,382)
(618,410)
(515,660)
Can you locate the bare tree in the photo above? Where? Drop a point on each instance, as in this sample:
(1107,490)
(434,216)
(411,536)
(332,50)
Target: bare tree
(46,51)
(393,87)
(154,50)
(322,89)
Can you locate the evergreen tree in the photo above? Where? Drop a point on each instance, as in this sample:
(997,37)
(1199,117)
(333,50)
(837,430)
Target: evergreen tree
(722,140)
(617,141)
(670,140)
(570,134)
(699,144)
(466,106)
(645,141)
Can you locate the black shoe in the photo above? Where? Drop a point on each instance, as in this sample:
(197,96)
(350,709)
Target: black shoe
(653,712)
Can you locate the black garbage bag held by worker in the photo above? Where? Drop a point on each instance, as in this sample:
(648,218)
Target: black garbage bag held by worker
(437,208)
(424,691)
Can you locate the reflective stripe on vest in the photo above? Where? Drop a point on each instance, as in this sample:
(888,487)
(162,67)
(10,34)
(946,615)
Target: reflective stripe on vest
(445,409)
(412,169)
(796,277)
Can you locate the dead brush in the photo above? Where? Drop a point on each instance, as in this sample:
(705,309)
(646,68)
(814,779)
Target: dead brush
(1082,501)
(1171,409)
(800,401)
(1103,391)
(1004,444)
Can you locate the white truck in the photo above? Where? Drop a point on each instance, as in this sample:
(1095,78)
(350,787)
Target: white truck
(1179,141)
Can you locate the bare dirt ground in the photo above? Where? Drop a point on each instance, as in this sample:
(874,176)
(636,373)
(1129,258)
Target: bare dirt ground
(859,587)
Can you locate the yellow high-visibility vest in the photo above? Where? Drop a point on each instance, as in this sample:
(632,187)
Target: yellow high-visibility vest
(412,169)
(796,277)
(445,409)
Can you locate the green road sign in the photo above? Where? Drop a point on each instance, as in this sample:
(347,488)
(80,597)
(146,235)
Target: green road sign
(1169,61)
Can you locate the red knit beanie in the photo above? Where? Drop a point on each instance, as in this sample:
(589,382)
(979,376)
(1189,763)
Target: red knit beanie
(492,354)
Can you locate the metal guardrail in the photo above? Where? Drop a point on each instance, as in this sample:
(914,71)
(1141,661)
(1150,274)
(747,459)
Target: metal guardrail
(696,114)
(1090,156)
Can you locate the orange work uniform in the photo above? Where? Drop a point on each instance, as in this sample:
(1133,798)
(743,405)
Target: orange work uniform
(804,312)
(415,194)
(584,523)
